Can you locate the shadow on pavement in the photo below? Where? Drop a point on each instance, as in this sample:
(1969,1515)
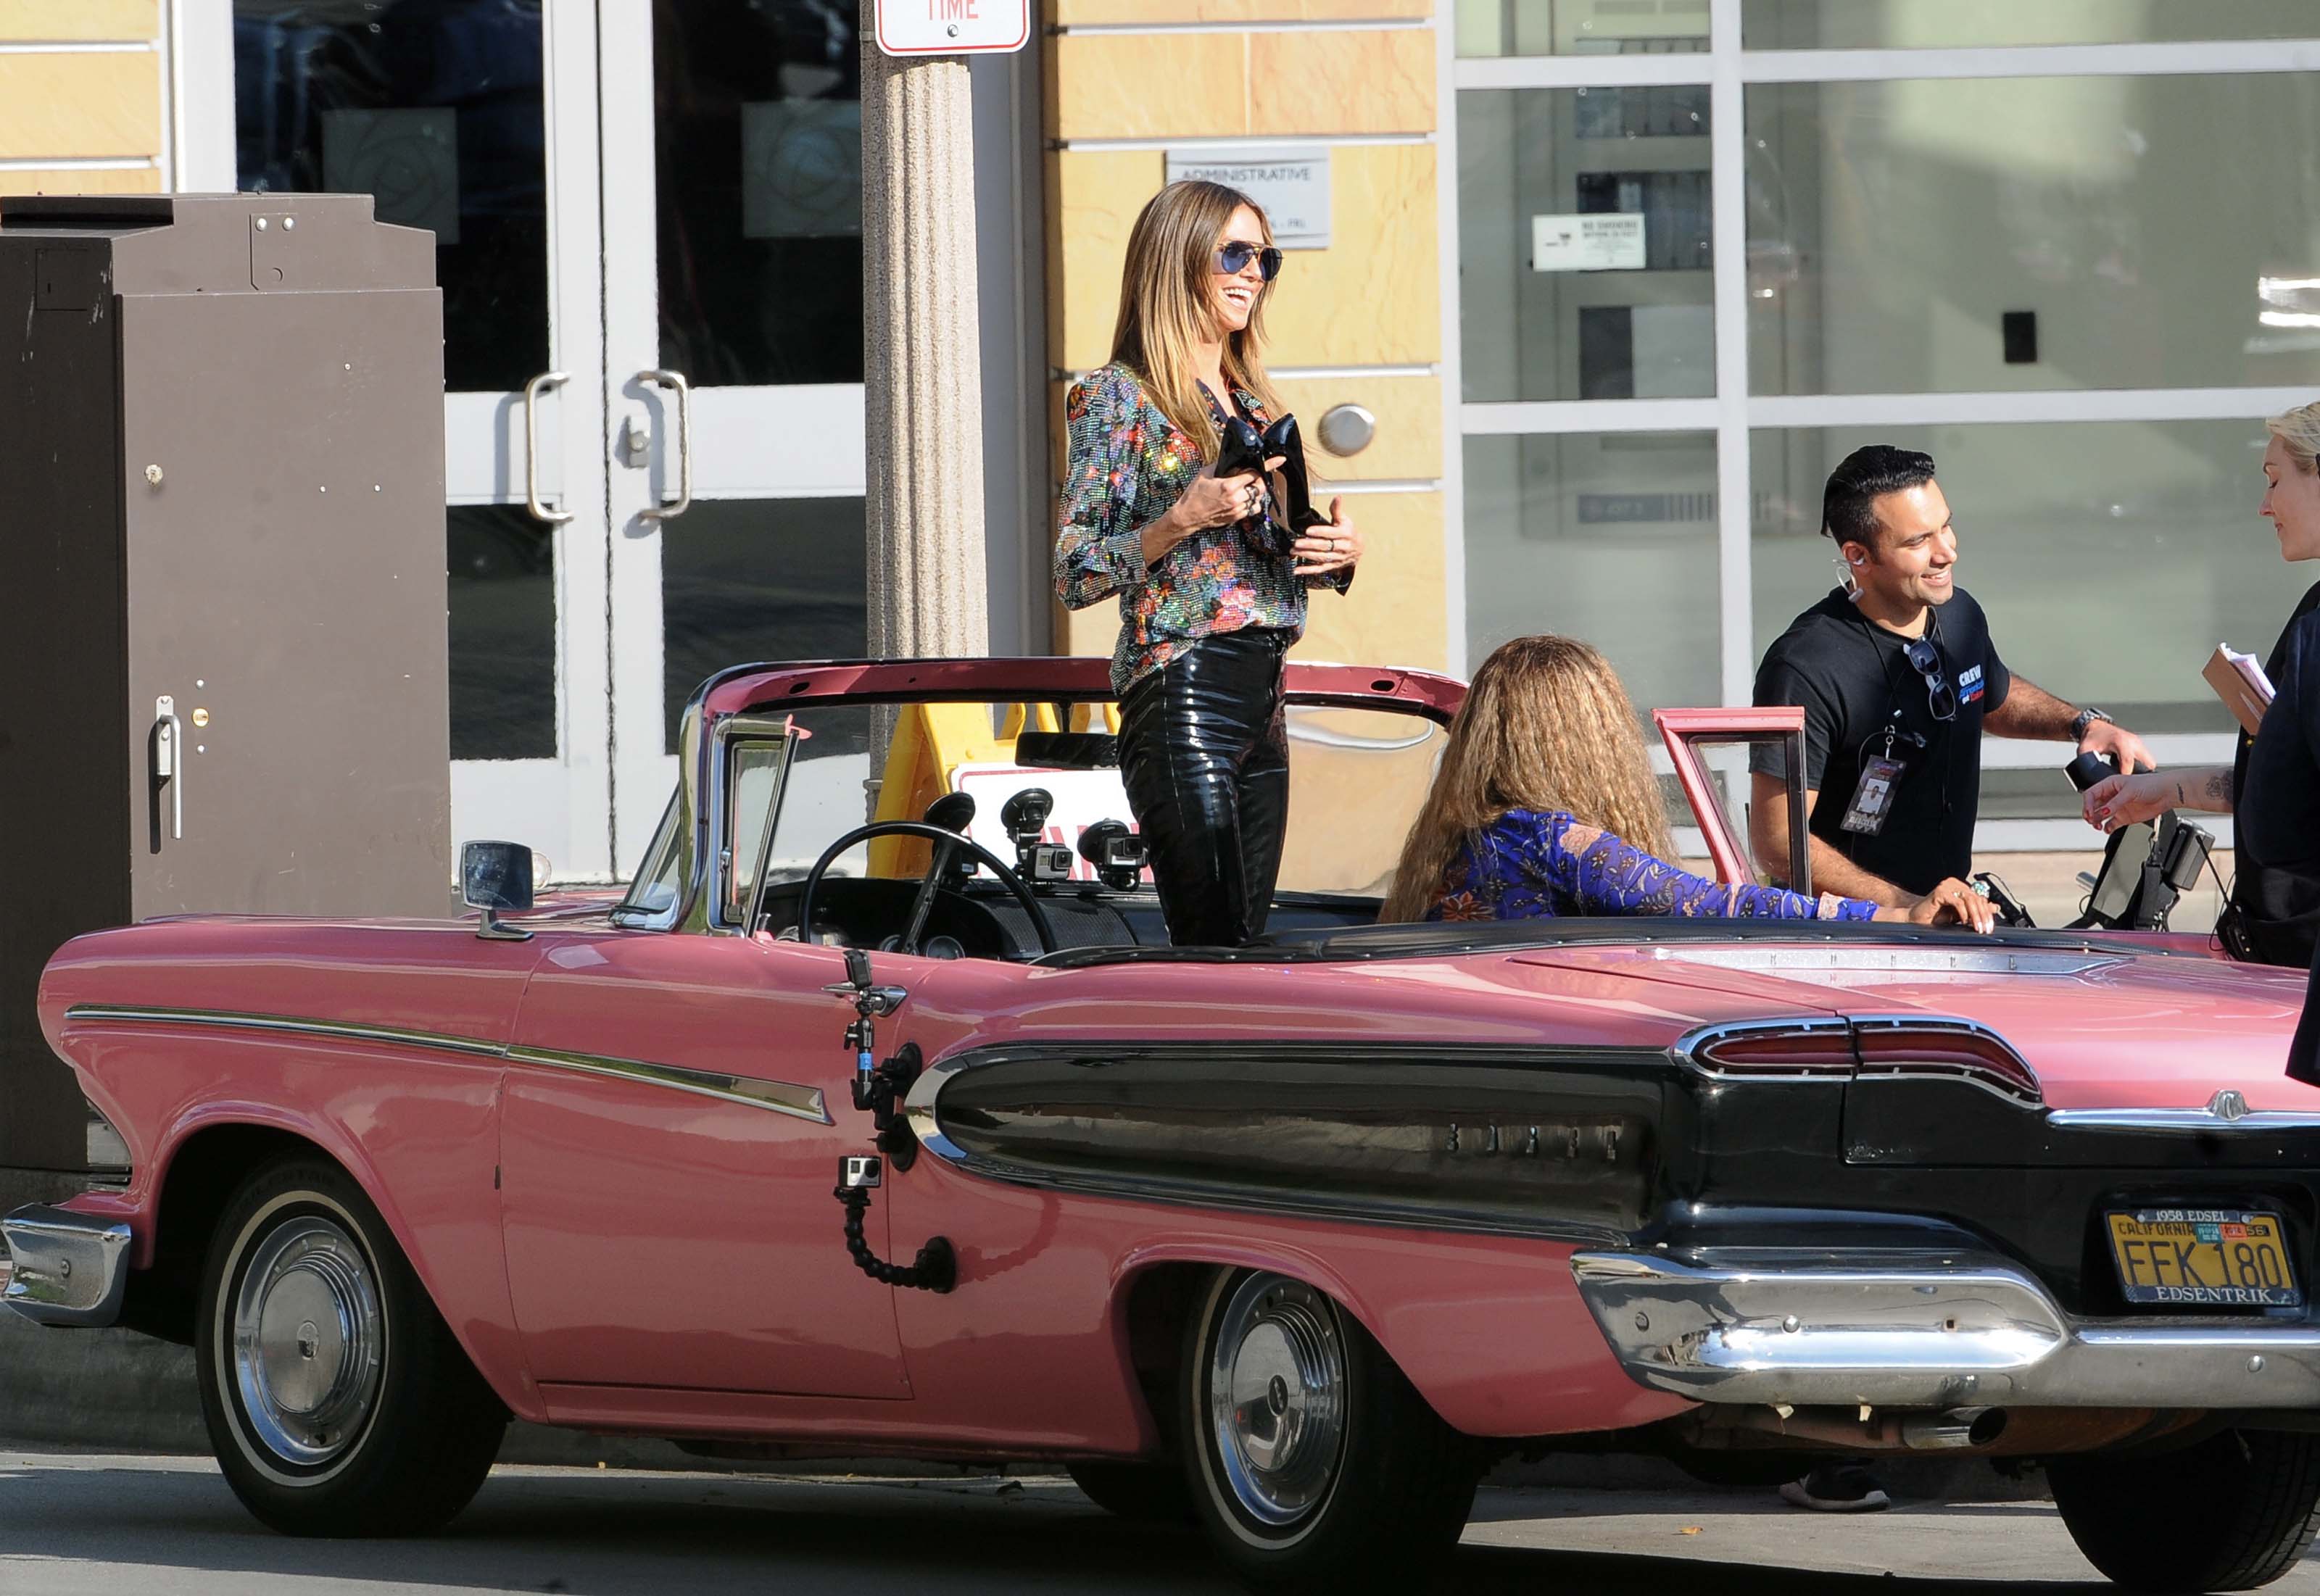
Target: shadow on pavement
(106,1526)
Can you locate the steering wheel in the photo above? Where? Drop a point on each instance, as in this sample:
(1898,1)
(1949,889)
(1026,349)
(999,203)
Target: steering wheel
(945,843)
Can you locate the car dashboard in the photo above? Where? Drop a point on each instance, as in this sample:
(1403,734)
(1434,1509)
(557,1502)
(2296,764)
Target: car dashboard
(978,919)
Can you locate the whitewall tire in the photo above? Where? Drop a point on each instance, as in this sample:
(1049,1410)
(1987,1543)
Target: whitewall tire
(1314,1465)
(337,1399)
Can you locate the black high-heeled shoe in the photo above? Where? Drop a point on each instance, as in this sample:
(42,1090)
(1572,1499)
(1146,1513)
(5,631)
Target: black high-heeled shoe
(1283,441)
(1241,450)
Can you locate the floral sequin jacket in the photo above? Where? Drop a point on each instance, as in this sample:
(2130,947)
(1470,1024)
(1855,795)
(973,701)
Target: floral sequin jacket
(1127,465)
(1529,863)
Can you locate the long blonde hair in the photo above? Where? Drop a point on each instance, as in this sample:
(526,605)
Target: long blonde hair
(1166,306)
(2299,430)
(1546,725)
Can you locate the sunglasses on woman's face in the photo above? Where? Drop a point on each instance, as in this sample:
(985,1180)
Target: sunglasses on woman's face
(1925,659)
(1233,259)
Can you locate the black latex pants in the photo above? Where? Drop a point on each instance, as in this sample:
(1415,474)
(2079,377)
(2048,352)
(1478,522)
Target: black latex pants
(1205,759)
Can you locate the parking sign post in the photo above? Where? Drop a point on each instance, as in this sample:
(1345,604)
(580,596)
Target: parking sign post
(921,375)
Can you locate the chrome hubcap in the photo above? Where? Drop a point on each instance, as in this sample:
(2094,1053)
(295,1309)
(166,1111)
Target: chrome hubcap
(308,1340)
(1277,1398)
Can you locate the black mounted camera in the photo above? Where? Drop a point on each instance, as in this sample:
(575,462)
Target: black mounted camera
(1117,853)
(1025,816)
(2145,866)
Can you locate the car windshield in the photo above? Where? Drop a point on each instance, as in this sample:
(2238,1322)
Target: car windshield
(1357,778)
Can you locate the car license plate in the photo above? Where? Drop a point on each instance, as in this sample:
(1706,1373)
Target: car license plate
(2203,1256)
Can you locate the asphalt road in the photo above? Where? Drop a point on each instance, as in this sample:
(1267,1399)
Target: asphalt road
(71,1524)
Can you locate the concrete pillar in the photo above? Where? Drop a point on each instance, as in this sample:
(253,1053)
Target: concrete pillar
(921,373)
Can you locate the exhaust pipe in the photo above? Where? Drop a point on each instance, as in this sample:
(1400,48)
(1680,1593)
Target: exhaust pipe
(1956,1427)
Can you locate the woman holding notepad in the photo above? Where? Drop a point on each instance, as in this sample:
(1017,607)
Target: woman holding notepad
(2274,916)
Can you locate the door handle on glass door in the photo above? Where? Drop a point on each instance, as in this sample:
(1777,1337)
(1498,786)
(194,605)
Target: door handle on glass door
(169,759)
(674,381)
(532,393)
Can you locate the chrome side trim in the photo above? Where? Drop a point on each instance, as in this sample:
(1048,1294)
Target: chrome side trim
(65,1268)
(1932,960)
(780,1096)
(2175,1122)
(1921,1330)
(291,1024)
(918,1106)
(804,1102)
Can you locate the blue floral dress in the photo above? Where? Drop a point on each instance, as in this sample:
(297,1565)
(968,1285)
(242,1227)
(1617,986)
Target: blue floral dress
(1127,465)
(1531,864)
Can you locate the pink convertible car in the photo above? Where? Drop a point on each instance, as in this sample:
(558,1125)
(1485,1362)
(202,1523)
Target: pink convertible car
(916,1137)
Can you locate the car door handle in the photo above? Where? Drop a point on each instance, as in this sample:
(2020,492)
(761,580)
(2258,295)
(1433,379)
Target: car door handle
(674,381)
(169,760)
(532,393)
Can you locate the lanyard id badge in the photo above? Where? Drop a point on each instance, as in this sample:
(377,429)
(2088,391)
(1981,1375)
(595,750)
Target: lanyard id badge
(1872,798)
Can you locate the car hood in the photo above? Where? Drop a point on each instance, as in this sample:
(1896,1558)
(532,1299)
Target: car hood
(2102,1029)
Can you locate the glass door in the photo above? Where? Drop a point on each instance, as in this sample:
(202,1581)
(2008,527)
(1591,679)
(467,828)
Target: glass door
(477,120)
(732,283)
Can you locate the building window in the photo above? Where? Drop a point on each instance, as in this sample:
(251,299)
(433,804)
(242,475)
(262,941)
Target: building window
(759,578)
(1606,537)
(1581,27)
(2145,232)
(1951,24)
(2076,537)
(434,110)
(2078,277)
(1586,247)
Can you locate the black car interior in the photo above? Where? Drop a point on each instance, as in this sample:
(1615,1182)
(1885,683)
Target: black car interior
(973,916)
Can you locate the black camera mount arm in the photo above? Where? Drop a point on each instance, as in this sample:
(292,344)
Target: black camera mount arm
(935,1270)
(878,1089)
(870,1002)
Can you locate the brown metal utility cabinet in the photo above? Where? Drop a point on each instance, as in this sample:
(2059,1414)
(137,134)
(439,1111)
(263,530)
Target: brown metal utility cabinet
(222,667)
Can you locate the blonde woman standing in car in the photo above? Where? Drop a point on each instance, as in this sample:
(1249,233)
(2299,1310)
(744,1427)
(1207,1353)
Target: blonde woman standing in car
(1211,575)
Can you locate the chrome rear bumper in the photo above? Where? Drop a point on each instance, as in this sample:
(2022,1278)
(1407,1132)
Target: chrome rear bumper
(1894,1330)
(65,1268)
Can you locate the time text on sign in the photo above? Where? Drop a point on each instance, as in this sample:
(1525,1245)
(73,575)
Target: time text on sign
(953,27)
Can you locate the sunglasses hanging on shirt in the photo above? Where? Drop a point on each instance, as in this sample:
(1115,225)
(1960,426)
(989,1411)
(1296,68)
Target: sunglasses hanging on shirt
(1233,258)
(1925,660)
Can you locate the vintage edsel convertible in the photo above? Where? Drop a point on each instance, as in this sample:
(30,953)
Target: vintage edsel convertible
(1291,1239)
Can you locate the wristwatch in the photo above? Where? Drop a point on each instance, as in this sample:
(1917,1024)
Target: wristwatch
(2085,718)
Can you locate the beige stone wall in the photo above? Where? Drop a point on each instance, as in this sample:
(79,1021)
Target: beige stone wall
(88,99)
(1371,300)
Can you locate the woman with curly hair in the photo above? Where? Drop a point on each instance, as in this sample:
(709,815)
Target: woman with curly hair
(1545,804)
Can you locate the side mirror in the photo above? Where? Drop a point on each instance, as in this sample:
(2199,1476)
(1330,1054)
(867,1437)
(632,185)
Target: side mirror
(495,877)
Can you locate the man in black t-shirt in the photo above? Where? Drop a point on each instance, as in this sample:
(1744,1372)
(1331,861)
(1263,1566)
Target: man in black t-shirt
(1898,680)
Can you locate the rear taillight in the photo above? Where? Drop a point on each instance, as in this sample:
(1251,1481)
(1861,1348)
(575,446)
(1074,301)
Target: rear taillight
(1895,1045)
(1772,1047)
(1957,1049)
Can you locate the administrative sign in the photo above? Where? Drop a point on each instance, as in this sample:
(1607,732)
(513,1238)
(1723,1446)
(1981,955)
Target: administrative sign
(1292,187)
(1607,241)
(953,27)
